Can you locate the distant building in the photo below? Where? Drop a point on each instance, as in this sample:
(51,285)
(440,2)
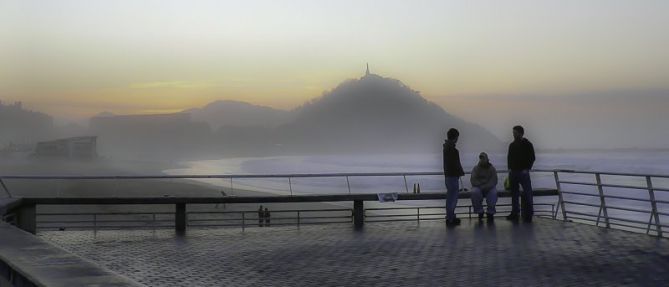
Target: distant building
(18,125)
(75,147)
(157,135)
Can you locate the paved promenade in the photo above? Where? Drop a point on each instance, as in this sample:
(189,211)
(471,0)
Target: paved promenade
(544,253)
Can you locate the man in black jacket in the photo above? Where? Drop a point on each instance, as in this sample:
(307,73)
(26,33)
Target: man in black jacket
(452,172)
(520,160)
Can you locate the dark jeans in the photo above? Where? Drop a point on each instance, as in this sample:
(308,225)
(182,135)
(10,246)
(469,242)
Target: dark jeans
(452,189)
(519,178)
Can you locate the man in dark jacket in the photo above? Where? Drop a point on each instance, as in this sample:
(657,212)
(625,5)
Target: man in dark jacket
(452,171)
(520,160)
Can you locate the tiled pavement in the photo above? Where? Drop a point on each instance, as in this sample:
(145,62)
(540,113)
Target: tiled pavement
(544,253)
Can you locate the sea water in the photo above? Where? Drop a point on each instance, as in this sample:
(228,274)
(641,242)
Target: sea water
(641,162)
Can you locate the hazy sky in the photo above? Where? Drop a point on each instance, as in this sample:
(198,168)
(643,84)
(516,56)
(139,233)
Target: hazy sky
(74,59)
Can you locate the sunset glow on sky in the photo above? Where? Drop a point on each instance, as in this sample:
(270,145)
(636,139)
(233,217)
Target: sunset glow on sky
(74,59)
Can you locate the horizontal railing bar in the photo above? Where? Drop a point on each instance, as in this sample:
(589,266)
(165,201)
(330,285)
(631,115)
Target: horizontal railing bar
(222,225)
(273,219)
(106,213)
(628,209)
(652,227)
(322,217)
(626,198)
(612,173)
(606,185)
(629,220)
(625,186)
(242,176)
(614,223)
(441,207)
(271,224)
(610,217)
(273,211)
(392,215)
(577,183)
(582,218)
(581,213)
(579,193)
(431,214)
(302,175)
(581,203)
(390,220)
(103,222)
(251,199)
(63,222)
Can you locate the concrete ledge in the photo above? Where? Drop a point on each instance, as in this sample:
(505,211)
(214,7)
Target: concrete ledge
(9,204)
(30,261)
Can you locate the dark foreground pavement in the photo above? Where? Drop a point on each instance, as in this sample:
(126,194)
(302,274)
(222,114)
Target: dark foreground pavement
(544,253)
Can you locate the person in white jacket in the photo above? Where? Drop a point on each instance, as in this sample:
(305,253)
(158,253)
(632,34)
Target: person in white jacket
(484,184)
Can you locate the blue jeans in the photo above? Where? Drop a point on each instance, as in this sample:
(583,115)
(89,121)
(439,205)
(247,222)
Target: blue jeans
(452,189)
(519,178)
(490,199)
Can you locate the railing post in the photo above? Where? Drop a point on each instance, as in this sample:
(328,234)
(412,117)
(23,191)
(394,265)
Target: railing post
(2,182)
(560,199)
(232,188)
(348,184)
(602,201)
(290,186)
(358,213)
(298,219)
(418,214)
(27,218)
(180,218)
(651,193)
(406,185)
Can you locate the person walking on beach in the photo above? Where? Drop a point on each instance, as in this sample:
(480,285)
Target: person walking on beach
(520,160)
(484,184)
(267,217)
(261,216)
(452,173)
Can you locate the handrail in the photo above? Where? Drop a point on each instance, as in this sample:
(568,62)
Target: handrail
(237,176)
(653,223)
(294,175)
(610,173)
(574,209)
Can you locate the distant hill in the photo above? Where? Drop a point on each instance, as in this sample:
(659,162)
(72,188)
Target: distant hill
(374,113)
(239,114)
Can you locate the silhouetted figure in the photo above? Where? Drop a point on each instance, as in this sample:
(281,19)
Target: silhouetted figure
(452,172)
(267,216)
(520,160)
(261,216)
(484,184)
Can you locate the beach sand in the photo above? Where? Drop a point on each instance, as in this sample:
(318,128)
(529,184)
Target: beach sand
(132,188)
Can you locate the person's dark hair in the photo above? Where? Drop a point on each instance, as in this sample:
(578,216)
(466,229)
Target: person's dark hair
(519,129)
(452,134)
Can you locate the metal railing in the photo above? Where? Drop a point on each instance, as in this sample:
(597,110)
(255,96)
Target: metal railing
(230,177)
(389,214)
(604,199)
(618,205)
(249,218)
